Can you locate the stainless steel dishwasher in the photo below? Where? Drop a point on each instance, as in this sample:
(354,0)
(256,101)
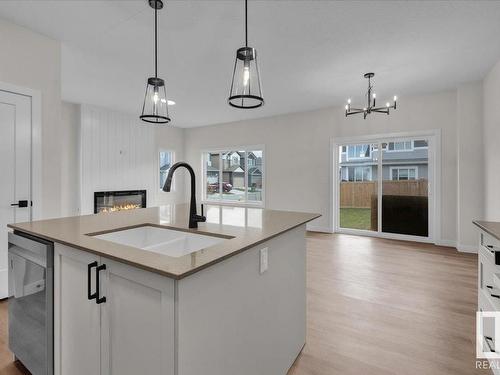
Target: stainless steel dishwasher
(31,273)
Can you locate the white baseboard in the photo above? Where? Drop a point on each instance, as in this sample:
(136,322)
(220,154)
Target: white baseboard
(467,248)
(448,243)
(317,228)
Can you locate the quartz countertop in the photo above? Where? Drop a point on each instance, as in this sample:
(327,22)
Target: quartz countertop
(244,228)
(490,227)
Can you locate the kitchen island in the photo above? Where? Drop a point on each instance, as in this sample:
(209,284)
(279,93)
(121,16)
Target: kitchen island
(137,292)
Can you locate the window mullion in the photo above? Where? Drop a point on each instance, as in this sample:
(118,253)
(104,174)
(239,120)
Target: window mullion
(220,175)
(246,176)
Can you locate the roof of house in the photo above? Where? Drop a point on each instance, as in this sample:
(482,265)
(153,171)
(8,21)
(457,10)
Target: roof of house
(233,168)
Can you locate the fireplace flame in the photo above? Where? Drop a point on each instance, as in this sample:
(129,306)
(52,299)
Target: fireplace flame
(120,207)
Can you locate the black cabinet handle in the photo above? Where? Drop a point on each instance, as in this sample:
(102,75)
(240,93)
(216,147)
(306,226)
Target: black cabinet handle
(491,346)
(90,295)
(99,300)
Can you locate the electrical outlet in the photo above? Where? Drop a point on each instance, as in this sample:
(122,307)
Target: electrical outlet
(264,260)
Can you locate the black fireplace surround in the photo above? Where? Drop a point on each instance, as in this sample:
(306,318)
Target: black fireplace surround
(108,201)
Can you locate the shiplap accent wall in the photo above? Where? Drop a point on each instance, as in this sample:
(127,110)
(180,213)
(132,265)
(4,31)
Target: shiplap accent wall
(119,152)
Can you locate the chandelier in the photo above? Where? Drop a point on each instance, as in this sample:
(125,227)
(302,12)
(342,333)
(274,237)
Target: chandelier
(371,102)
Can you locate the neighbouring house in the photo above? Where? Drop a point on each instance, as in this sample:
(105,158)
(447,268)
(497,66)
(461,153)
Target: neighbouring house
(405,160)
(233,169)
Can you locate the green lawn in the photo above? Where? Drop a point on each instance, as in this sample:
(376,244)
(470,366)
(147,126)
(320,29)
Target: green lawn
(355,218)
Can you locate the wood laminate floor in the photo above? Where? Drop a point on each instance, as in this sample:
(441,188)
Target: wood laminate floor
(375,307)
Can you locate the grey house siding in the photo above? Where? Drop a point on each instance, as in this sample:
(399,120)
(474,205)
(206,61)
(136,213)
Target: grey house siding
(418,157)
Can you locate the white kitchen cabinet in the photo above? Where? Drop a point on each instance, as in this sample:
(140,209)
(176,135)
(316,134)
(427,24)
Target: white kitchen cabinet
(131,332)
(137,322)
(77,332)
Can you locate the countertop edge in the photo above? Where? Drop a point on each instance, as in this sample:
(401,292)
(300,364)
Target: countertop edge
(479,224)
(156,270)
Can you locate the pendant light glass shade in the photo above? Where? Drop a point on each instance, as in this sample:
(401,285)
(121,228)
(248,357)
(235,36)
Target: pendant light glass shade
(246,90)
(155,107)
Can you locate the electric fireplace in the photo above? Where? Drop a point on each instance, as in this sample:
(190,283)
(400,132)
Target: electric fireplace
(110,201)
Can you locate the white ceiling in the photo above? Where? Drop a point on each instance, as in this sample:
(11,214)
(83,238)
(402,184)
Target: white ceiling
(312,53)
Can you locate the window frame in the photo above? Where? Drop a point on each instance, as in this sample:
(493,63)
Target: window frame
(220,151)
(415,167)
(158,175)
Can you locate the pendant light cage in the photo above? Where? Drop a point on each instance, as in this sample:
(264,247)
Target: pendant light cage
(155,106)
(246,91)
(246,88)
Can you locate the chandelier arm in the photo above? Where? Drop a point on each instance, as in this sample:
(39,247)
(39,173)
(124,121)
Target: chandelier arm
(381,110)
(354,112)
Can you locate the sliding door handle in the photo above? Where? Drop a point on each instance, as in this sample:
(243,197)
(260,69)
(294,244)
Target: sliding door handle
(90,295)
(99,300)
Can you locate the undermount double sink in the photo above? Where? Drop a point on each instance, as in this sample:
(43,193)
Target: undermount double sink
(166,241)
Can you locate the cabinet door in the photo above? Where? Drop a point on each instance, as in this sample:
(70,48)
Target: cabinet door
(137,322)
(77,319)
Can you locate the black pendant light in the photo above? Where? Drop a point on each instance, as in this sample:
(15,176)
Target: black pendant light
(155,107)
(246,89)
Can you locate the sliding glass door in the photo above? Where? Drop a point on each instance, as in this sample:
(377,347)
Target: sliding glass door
(358,186)
(383,187)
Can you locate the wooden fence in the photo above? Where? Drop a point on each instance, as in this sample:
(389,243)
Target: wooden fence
(359,194)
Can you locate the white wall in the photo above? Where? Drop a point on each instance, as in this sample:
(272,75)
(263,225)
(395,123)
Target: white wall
(491,143)
(70,165)
(298,152)
(470,199)
(33,61)
(120,152)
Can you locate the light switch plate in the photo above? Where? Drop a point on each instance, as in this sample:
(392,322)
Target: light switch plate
(264,260)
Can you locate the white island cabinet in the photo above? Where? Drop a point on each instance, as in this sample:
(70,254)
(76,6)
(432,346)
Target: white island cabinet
(139,293)
(132,332)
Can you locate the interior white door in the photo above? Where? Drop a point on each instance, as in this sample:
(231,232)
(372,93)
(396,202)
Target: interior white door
(15,170)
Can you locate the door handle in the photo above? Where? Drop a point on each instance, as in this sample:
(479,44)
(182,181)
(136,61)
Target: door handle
(20,204)
(90,295)
(99,300)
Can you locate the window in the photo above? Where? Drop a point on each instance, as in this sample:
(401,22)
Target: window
(359,174)
(404,173)
(358,151)
(400,146)
(234,176)
(421,143)
(166,160)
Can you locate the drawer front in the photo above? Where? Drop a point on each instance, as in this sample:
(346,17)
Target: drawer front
(486,271)
(488,242)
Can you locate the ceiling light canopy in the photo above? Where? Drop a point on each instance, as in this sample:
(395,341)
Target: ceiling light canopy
(371,100)
(155,106)
(246,91)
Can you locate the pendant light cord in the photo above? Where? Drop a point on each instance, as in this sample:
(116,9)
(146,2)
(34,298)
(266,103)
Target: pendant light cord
(246,23)
(156,40)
